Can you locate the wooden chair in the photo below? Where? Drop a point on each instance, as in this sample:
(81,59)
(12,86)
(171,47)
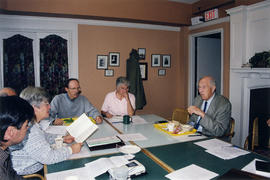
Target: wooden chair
(252,139)
(228,137)
(181,115)
(33,176)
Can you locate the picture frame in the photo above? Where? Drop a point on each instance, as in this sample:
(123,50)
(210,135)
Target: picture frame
(166,61)
(102,62)
(155,60)
(144,70)
(141,52)
(162,72)
(108,72)
(114,59)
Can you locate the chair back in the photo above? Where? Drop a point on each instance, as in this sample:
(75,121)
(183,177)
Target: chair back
(252,140)
(181,115)
(230,134)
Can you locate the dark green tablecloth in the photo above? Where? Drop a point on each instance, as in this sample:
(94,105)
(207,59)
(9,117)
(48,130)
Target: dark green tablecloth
(181,155)
(154,171)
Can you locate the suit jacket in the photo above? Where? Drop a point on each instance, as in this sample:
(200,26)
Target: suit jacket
(216,121)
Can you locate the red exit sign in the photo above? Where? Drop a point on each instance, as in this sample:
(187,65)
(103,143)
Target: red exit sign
(211,14)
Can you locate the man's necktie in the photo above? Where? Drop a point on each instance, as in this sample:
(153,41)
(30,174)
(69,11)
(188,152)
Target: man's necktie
(198,123)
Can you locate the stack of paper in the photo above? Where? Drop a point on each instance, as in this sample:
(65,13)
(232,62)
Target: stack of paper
(132,137)
(221,149)
(252,169)
(82,128)
(187,173)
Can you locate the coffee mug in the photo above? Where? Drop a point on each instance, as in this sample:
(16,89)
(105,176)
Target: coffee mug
(126,119)
(58,142)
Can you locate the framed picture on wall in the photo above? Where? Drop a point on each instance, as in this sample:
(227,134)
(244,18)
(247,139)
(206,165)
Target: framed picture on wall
(162,72)
(102,62)
(142,52)
(143,68)
(114,59)
(108,73)
(155,62)
(166,61)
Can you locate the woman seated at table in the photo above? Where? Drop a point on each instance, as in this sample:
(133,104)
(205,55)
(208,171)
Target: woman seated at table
(119,102)
(35,150)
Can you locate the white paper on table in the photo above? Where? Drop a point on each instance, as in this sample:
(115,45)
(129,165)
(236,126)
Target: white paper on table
(132,137)
(212,143)
(191,172)
(78,173)
(227,152)
(60,130)
(115,119)
(251,167)
(102,165)
(82,128)
(138,120)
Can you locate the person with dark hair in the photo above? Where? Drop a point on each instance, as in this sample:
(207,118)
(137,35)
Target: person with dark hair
(119,102)
(37,149)
(72,104)
(15,113)
(210,112)
(7,91)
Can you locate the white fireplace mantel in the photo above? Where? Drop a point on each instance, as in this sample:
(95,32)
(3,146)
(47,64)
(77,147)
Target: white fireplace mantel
(261,73)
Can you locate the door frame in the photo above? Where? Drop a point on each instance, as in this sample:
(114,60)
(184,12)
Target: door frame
(192,60)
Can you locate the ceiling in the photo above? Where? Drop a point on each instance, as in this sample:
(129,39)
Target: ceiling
(185,1)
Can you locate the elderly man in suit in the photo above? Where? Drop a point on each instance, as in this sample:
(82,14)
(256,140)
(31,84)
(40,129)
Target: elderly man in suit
(210,113)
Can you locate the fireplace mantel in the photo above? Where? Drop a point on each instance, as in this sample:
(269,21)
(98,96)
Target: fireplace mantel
(262,73)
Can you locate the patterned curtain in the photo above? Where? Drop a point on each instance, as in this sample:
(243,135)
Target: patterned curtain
(53,64)
(18,62)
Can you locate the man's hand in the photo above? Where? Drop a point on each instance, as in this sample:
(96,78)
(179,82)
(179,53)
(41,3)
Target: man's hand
(58,122)
(76,147)
(98,120)
(268,122)
(68,139)
(195,110)
(108,115)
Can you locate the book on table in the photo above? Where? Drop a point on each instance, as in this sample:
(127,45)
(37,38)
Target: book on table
(82,128)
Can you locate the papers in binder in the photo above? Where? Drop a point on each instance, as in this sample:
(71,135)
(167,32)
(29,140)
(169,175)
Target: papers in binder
(82,128)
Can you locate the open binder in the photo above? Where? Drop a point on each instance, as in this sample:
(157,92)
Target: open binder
(104,143)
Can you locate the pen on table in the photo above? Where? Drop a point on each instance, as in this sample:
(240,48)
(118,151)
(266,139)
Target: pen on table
(192,135)
(117,122)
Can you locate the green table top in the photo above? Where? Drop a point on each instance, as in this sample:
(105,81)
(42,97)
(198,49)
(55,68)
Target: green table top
(181,155)
(154,171)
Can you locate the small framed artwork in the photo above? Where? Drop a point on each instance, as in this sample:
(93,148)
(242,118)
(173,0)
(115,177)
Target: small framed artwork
(166,61)
(155,60)
(114,59)
(109,73)
(102,62)
(143,68)
(142,52)
(162,72)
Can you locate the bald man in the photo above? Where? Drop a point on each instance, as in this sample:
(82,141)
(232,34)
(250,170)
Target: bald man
(7,91)
(210,113)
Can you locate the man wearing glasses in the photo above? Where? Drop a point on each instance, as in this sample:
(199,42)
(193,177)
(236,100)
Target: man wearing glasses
(72,104)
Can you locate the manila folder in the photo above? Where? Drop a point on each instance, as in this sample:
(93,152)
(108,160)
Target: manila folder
(82,128)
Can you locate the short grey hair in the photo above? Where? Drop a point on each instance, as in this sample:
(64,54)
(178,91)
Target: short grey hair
(211,79)
(122,80)
(35,95)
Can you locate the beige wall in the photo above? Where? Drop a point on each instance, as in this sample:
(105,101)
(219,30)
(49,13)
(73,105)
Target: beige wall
(163,93)
(149,10)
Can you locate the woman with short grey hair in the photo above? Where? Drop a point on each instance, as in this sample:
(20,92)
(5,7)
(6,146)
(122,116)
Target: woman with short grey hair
(119,102)
(37,149)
